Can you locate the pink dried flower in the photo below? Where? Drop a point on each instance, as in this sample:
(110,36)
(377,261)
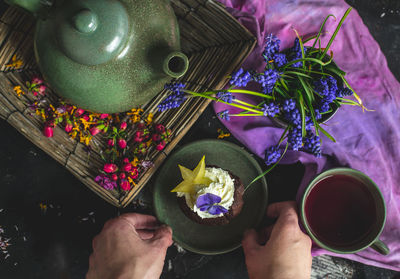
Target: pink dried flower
(95,130)
(37,80)
(48,131)
(122,175)
(156,137)
(42,89)
(160,146)
(127,167)
(79,112)
(125,185)
(126,160)
(68,127)
(111,142)
(160,128)
(123,126)
(122,143)
(110,168)
(103,116)
(86,117)
(114,177)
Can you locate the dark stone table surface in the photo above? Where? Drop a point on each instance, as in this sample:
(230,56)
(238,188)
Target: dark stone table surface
(57,243)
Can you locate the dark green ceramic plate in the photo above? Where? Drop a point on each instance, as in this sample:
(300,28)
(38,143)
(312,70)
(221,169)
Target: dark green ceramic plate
(201,238)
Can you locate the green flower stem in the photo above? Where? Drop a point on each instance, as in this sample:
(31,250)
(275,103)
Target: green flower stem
(241,91)
(268,170)
(218,100)
(335,33)
(248,114)
(244,103)
(322,27)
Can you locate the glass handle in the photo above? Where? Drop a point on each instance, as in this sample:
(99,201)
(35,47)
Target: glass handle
(380,247)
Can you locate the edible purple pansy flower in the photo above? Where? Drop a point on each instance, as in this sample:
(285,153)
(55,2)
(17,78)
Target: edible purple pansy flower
(209,203)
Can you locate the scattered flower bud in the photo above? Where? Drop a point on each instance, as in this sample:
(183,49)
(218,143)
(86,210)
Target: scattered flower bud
(68,127)
(103,116)
(110,168)
(110,142)
(126,160)
(156,137)
(160,128)
(125,185)
(114,177)
(42,89)
(37,80)
(122,143)
(79,112)
(160,146)
(48,131)
(123,126)
(86,117)
(122,175)
(127,167)
(95,130)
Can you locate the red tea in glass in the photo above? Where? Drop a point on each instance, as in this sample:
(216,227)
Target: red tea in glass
(340,210)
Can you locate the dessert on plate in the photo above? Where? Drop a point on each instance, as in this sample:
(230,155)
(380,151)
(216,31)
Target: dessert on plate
(209,195)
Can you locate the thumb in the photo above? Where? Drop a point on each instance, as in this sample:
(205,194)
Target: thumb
(162,237)
(249,242)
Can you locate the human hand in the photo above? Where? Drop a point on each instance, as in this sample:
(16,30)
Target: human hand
(131,246)
(287,252)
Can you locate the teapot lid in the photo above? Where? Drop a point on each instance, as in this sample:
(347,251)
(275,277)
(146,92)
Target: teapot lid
(91,32)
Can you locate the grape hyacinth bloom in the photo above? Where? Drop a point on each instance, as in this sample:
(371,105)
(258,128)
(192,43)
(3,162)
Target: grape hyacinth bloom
(280,59)
(271,47)
(224,115)
(317,114)
(172,101)
(295,139)
(270,109)
(241,78)
(272,155)
(175,87)
(343,92)
(312,144)
(296,53)
(268,80)
(288,105)
(105,182)
(324,106)
(225,96)
(209,203)
(294,117)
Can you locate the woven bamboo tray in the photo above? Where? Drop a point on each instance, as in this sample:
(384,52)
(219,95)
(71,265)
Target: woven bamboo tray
(214,41)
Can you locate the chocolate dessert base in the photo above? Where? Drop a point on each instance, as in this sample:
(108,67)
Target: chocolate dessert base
(225,219)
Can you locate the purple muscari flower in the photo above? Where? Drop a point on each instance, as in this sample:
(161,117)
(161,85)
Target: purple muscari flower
(272,155)
(225,96)
(296,53)
(332,83)
(224,115)
(268,80)
(324,106)
(295,139)
(343,92)
(172,101)
(312,144)
(209,203)
(294,117)
(288,105)
(321,87)
(280,59)
(309,123)
(317,114)
(271,47)
(270,109)
(241,78)
(175,87)
(105,182)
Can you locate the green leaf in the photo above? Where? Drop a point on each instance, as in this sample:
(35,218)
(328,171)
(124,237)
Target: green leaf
(320,29)
(303,114)
(280,91)
(309,39)
(336,31)
(297,73)
(326,134)
(316,60)
(301,47)
(268,170)
(307,89)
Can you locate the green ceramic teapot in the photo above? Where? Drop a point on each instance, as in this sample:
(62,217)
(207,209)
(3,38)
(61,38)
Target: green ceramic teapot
(106,56)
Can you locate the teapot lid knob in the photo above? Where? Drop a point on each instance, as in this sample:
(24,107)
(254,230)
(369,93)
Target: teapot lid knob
(85,21)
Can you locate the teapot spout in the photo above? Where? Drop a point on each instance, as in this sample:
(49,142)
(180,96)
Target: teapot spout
(175,64)
(38,8)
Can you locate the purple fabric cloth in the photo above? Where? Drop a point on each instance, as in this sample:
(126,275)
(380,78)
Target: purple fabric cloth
(369,141)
